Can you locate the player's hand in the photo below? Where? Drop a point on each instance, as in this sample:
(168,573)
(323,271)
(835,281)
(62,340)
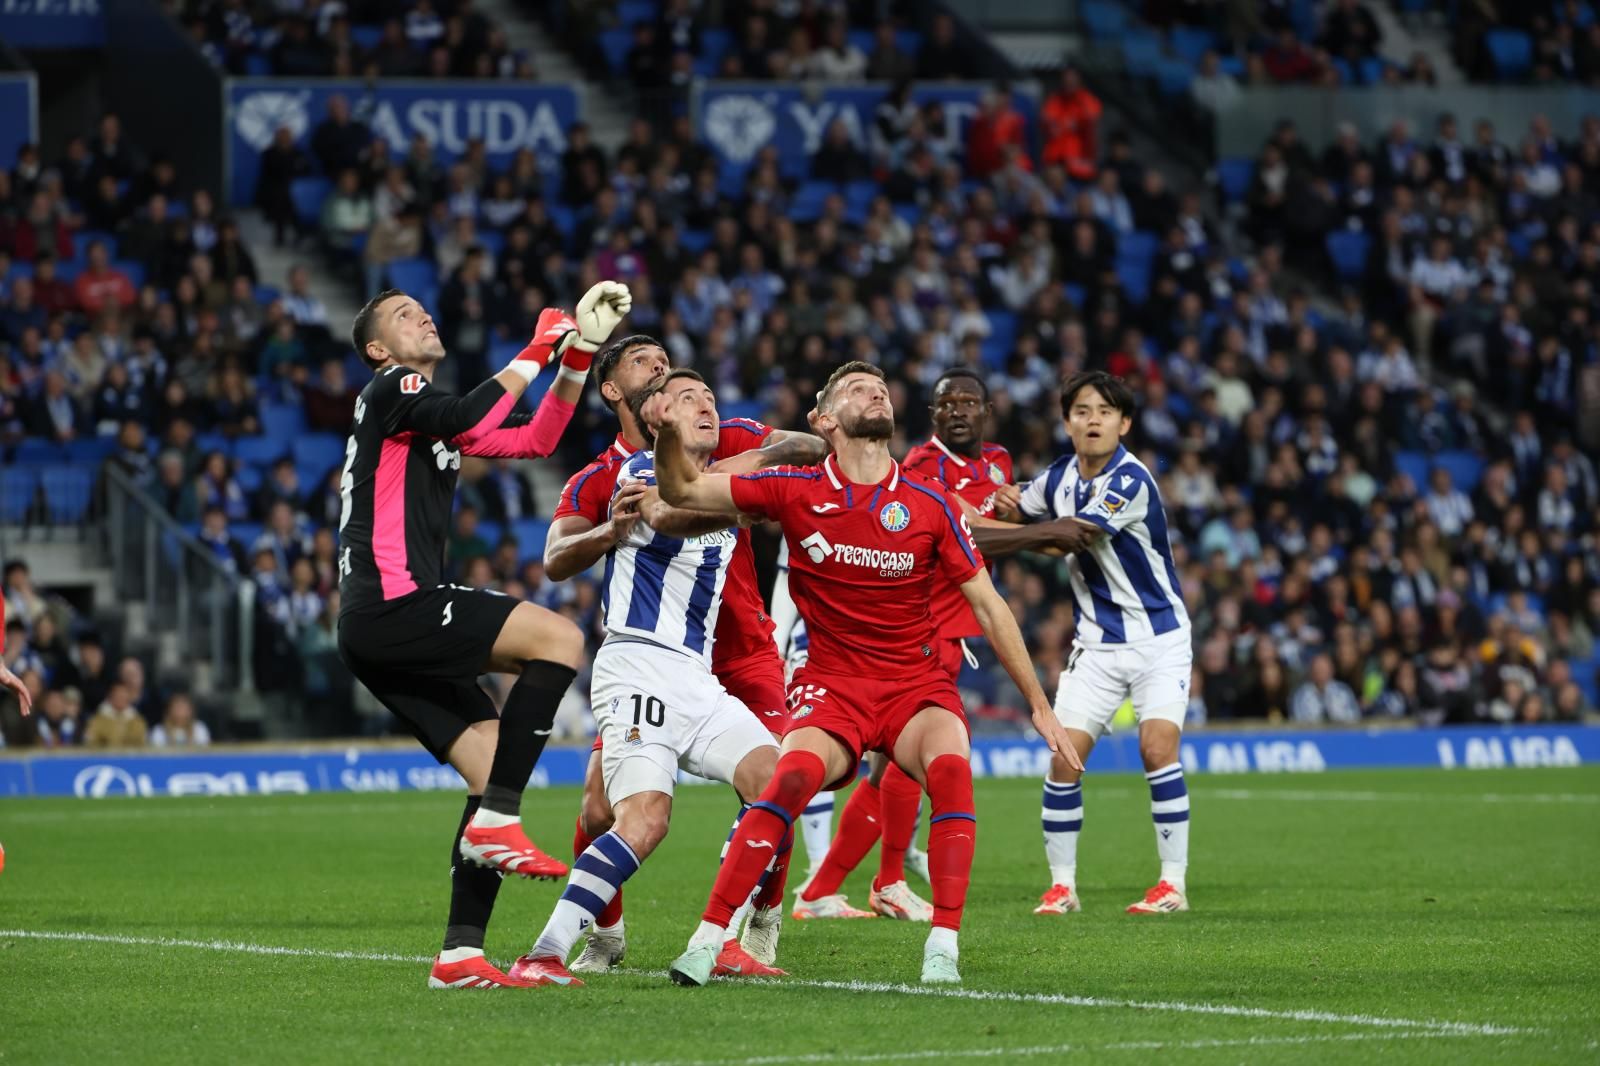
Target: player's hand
(554,333)
(1008,503)
(625,509)
(14,683)
(1055,735)
(601,308)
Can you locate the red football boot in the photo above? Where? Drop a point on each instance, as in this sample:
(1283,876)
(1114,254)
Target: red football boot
(734,961)
(546,970)
(509,850)
(476,972)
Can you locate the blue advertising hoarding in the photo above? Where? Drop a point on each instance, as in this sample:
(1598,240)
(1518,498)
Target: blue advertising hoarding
(52,24)
(365,768)
(19,114)
(738,119)
(508,116)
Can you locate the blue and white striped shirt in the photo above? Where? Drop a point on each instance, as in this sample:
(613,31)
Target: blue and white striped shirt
(666,590)
(1125,588)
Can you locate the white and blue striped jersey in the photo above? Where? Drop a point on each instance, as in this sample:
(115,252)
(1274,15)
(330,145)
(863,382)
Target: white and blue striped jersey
(1125,588)
(666,590)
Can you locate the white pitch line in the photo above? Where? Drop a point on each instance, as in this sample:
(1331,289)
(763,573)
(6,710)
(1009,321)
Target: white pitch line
(220,807)
(1354,796)
(1444,1028)
(1020,1052)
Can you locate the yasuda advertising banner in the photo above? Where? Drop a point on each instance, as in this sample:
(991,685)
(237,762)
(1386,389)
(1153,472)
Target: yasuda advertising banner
(365,768)
(508,116)
(19,114)
(52,24)
(738,119)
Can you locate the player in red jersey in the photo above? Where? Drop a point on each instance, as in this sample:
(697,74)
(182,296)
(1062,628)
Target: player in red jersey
(886,803)
(589,521)
(868,544)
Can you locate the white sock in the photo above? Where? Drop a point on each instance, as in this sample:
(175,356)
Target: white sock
(714,935)
(1062,817)
(487,819)
(611,930)
(1169,807)
(943,939)
(593,883)
(459,954)
(816,827)
(737,922)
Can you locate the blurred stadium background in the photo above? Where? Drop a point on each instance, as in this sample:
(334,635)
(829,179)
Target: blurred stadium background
(1346,252)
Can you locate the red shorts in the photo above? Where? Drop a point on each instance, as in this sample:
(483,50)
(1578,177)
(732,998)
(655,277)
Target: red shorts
(867,714)
(757,682)
(950,657)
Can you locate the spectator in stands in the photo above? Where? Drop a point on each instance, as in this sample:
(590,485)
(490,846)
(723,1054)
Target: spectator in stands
(996,127)
(339,140)
(55,415)
(839,159)
(57,718)
(102,286)
(1350,31)
(330,401)
(943,57)
(888,62)
(837,59)
(347,216)
(1289,62)
(117,723)
(1071,126)
(179,727)
(305,308)
(1322,698)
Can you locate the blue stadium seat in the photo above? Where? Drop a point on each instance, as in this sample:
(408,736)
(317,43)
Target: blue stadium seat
(1002,327)
(493,241)
(1234,175)
(1466,468)
(1141,52)
(282,421)
(266,294)
(695,240)
(1512,53)
(615,46)
(133,268)
(251,477)
(1173,76)
(1134,273)
(246,533)
(257,65)
(37,450)
(1103,19)
(809,198)
(714,44)
(308,194)
(416,275)
(1233,65)
(530,534)
(366,37)
(68,490)
(18,485)
(1075,294)
(563,218)
(20,269)
(260,451)
(751,409)
(1191,42)
(91,449)
(908,41)
(83,238)
(69,270)
(1414,465)
(1348,250)
(860,194)
(1140,245)
(865,40)
(213,442)
(1372,71)
(632,11)
(320,451)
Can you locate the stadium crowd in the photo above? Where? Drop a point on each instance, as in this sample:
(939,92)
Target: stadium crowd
(1380,508)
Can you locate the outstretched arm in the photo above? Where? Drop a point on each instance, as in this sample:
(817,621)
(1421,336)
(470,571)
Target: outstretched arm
(681,485)
(1000,627)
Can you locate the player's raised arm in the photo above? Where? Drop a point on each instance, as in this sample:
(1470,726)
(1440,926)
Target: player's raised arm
(681,485)
(1000,627)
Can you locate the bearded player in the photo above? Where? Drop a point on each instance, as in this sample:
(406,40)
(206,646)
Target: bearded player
(887,802)
(592,518)
(868,544)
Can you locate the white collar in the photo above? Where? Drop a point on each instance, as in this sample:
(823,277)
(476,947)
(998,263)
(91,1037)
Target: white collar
(937,443)
(828,467)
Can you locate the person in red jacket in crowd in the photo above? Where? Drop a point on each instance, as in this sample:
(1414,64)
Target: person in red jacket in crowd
(102,286)
(40,231)
(1071,117)
(51,293)
(997,126)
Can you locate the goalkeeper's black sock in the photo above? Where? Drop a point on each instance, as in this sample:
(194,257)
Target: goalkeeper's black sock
(525,723)
(472,891)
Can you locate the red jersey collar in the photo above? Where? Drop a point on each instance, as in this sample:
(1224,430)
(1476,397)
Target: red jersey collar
(835,476)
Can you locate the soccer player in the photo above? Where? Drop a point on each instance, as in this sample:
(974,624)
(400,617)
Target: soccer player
(658,706)
(591,519)
(419,644)
(868,542)
(887,802)
(1132,637)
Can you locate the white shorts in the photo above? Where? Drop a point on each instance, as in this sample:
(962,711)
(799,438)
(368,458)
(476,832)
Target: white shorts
(661,710)
(1096,681)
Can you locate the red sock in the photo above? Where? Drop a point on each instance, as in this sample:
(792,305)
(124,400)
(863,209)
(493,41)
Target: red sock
(898,796)
(952,839)
(613,912)
(771,893)
(762,832)
(858,831)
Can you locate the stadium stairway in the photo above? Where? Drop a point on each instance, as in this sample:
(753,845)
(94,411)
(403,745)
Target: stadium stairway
(273,264)
(1403,38)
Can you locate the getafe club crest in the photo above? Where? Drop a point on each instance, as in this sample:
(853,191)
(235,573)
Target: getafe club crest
(995,475)
(895,517)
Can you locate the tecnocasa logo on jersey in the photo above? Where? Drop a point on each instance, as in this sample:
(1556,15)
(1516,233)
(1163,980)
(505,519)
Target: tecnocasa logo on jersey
(887,564)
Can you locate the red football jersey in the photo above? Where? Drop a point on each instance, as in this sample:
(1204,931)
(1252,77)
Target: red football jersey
(864,561)
(974,481)
(743,628)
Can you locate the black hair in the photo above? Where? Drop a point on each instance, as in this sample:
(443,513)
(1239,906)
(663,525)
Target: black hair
(605,363)
(1114,389)
(636,405)
(365,328)
(962,372)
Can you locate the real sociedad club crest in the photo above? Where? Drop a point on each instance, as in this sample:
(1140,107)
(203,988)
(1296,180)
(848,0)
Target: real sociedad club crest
(895,517)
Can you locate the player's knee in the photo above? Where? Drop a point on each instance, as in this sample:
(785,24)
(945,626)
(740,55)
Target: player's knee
(562,643)
(1061,773)
(794,783)
(753,773)
(1158,749)
(644,826)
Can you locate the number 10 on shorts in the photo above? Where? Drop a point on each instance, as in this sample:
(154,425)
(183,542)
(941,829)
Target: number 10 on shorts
(651,710)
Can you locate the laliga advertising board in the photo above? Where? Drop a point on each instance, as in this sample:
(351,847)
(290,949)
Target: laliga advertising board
(739,119)
(508,116)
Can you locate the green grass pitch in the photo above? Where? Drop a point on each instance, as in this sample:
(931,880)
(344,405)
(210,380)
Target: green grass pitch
(1389,916)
